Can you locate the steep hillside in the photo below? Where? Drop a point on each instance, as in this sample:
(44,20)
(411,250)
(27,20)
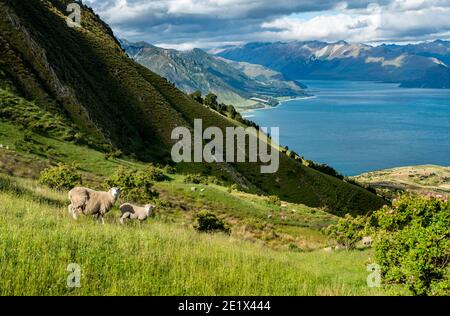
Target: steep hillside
(437,77)
(197,70)
(423,65)
(83,79)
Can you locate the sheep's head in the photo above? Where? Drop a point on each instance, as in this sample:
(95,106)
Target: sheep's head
(115,192)
(149,208)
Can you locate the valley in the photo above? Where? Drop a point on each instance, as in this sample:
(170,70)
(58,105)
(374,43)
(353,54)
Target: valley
(243,85)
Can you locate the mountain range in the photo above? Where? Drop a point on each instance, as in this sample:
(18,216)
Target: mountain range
(239,83)
(423,65)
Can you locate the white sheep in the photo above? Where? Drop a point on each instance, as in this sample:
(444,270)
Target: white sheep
(367,241)
(135,212)
(90,202)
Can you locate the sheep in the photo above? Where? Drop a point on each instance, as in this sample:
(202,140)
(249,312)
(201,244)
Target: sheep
(135,212)
(90,202)
(367,241)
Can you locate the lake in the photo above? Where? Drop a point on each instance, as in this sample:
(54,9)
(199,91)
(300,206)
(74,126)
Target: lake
(357,127)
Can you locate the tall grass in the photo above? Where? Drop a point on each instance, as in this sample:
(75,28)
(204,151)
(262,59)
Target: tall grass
(38,239)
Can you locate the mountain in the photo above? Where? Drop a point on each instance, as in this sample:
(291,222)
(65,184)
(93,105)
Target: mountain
(423,65)
(76,87)
(234,83)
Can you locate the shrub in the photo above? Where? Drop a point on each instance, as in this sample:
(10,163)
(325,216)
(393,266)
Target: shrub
(117,153)
(61,177)
(208,222)
(324,169)
(348,230)
(412,244)
(294,247)
(170,169)
(136,185)
(154,173)
(196,179)
(274,200)
(233,187)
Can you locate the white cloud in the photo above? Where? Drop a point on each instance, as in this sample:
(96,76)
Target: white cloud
(196,44)
(183,23)
(401,20)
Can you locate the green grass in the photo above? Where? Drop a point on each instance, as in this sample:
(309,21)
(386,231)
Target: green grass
(418,179)
(252,216)
(38,239)
(54,150)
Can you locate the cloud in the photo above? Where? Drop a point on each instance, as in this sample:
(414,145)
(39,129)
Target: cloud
(205,23)
(401,20)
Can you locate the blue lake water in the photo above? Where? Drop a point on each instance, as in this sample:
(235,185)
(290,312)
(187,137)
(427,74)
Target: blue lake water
(357,127)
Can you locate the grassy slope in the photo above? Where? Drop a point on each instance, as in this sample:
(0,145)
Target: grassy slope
(38,240)
(83,76)
(420,179)
(249,213)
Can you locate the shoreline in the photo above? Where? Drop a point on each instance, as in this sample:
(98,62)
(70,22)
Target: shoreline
(280,102)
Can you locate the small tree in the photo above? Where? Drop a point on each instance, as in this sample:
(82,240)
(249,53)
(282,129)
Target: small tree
(274,200)
(208,222)
(61,177)
(348,230)
(211,100)
(196,179)
(137,186)
(412,244)
(197,96)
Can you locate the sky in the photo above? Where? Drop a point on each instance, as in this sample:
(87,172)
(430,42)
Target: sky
(186,24)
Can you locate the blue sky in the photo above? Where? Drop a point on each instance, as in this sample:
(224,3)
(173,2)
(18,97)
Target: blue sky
(185,24)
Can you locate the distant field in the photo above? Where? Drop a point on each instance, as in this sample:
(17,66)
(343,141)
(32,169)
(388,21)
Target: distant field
(38,239)
(420,179)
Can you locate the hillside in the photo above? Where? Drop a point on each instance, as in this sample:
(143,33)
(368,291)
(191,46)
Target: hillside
(422,65)
(418,179)
(89,93)
(38,239)
(197,70)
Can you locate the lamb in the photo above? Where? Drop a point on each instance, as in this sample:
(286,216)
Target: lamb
(90,202)
(135,212)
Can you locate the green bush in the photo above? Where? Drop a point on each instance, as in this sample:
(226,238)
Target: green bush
(233,187)
(324,169)
(412,244)
(294,247)
(348,230)
(274,200)
(196,179)
(136,185)
(208,222)
(154,173)
(170,169)
(61,177)
(113,154)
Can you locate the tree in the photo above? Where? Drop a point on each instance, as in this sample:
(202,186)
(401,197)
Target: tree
(197,96)
(211,100)
(347,231)
(412,244)
(231,111)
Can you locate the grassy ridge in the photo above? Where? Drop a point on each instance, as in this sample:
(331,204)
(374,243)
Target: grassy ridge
(420,179)
(38,240)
